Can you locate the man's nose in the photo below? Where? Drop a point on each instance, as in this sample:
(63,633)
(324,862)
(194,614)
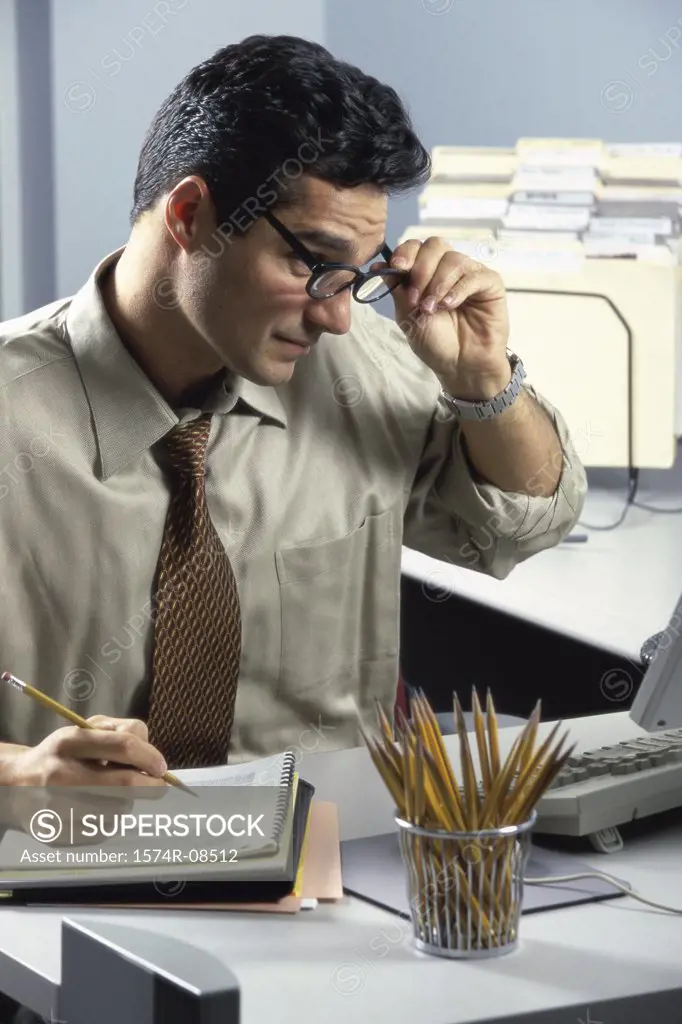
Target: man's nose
(332,315)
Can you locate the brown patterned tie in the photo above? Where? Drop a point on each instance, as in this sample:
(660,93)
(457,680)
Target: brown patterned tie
(197,639)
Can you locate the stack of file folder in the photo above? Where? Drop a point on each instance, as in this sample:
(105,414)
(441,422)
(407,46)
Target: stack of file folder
(586,236)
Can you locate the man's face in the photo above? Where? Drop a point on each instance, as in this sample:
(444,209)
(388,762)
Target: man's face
(248,300)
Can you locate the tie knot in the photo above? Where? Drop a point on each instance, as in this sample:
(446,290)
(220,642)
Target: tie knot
(186,446)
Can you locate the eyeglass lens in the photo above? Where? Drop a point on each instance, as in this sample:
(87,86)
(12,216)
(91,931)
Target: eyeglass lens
(372,288)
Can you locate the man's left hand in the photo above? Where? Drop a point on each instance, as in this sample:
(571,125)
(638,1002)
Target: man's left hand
(453,310)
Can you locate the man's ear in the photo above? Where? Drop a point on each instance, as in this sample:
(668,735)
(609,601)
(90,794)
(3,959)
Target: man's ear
(189,211)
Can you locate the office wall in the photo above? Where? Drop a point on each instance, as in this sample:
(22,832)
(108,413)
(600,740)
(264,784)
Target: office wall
(36,152)
(26,188)
(484,72)
(113,65)
(11,298)
(471,71)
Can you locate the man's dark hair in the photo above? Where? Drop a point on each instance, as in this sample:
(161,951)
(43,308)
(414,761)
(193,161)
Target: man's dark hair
(255,115)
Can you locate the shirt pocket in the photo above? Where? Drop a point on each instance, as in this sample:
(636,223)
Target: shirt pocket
(339,603)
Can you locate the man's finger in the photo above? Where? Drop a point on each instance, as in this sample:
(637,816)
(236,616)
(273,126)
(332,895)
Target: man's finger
(98,744)
(428,261)
(405,254)
(481,282)
(149,785)
(134,725)
(450,275)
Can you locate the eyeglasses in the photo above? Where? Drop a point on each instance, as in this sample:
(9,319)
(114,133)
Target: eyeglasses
(328,279)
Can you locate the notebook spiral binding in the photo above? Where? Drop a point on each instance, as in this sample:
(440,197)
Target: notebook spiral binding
(286,786)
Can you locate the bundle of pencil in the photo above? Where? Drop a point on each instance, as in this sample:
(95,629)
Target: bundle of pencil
(465,891)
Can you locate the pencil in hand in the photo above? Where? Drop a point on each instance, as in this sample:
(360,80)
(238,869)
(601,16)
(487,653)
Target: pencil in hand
(76,719)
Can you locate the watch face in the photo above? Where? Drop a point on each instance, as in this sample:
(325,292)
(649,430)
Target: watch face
(649,648)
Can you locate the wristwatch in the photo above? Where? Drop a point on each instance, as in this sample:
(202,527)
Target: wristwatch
(649,648)
(490,407)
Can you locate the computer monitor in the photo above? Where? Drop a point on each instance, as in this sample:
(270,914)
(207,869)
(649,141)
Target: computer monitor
(658,702)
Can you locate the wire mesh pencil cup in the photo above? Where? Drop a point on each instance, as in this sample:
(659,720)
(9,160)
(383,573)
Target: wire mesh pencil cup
(465,889)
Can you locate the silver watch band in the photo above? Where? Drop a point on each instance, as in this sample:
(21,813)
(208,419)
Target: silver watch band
(487,409)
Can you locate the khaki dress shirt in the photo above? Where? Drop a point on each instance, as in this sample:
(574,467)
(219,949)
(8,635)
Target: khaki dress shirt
(313,487)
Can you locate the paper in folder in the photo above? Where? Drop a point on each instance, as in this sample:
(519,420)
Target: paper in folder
(250,868)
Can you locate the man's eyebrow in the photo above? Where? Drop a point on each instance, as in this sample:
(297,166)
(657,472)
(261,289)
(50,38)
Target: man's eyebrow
(335,243)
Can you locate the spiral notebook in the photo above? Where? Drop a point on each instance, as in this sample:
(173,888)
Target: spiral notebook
(272,861)
(277,771)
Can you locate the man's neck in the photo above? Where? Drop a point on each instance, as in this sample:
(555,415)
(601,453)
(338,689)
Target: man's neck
(195,395)
(181,367)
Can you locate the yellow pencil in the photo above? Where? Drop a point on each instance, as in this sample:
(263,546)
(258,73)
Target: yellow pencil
(411,758)
(71,716)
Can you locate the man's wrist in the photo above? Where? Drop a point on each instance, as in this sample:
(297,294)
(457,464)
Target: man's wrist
(477,387)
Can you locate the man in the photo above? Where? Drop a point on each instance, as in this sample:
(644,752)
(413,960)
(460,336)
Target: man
(215,450)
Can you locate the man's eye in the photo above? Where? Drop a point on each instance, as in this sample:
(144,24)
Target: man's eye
(298,263)
(316,256)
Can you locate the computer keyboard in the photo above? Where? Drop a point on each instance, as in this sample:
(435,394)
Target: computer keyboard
(608,784)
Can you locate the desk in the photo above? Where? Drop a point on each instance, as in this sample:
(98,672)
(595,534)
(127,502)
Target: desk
(352,961)
(613,591)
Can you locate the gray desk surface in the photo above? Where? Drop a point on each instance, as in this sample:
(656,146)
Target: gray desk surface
(354,961)
(613,591)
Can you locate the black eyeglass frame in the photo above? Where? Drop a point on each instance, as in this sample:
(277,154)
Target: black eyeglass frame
(318,269)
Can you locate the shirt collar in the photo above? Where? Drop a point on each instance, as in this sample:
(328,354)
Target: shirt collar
(129,414)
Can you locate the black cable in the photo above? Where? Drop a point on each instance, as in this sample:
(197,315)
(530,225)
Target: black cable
(630,501)
(655,508)
(633,483)
(633,472)
(652,508)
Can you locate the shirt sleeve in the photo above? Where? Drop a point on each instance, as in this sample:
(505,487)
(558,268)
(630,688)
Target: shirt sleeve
(454,515)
